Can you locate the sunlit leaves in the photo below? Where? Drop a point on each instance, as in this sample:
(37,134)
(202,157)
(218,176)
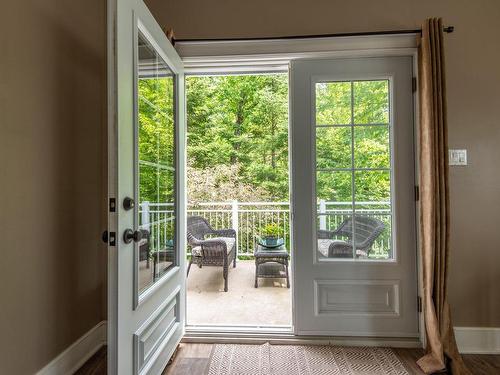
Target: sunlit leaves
(156,138)
(372,186)
(371,102)
(334,186)
(333,103)
(371,147)
(345,139)
(240,120)
(333,147)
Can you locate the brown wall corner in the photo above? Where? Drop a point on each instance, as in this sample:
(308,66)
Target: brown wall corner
(51,107)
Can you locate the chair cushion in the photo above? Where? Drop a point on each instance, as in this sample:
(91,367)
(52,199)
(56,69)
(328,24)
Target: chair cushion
(324,245)
(196,251)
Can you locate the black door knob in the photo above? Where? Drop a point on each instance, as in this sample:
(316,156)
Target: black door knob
(130,235)
(128,203)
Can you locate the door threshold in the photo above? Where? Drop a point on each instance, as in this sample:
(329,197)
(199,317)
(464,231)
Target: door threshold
(285,336)
(237,334)
(223,329)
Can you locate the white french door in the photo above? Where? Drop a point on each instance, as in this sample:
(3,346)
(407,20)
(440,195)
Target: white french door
(146,142)
(353,197)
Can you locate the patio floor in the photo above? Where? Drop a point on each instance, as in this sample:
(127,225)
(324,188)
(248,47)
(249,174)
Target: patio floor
(208,304)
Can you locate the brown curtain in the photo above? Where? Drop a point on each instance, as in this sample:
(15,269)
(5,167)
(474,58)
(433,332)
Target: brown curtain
(441,352)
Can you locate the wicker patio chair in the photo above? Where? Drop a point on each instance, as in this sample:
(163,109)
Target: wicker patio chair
(219,249)
(144,247)
(367,230)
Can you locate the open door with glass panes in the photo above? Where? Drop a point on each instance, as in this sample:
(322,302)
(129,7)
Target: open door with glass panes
(146,143)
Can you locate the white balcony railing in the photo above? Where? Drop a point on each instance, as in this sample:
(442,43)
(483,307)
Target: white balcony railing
(249,219)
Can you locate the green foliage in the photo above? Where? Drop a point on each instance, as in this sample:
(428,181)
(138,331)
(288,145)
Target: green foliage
(271,230)
(219,183)
(156,139)
(238,139)
(239,121)
(352,132)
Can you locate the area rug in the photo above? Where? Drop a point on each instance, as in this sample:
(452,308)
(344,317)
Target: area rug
(266,359)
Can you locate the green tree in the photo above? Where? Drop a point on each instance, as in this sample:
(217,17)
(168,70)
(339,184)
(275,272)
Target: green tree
(241,120)
(238,136)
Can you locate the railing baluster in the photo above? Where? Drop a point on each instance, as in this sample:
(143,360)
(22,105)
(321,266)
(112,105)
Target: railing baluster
(252,217)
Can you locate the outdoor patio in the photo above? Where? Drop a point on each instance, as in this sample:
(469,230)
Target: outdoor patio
(243,304)
(208,304)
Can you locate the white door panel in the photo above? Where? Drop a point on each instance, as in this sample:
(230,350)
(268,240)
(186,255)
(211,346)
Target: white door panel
(353,197)
(146,146)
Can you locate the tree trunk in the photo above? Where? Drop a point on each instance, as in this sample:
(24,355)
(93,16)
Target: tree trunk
(237,131)
(273,150)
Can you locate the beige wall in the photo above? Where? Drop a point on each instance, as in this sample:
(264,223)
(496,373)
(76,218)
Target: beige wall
(473,55)
(52,102)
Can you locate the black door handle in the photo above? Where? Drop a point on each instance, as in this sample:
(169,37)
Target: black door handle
(128,203)
(130,235)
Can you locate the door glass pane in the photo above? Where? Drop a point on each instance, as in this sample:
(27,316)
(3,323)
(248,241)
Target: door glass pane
(372,229)
(371,102)
(372,187)
(333,103)
(335,187)
(372,233)
(371,146)
(334,209)
(353,178)
(333,147)
(156,165)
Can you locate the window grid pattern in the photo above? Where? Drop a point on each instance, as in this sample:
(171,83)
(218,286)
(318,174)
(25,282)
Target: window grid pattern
(354,169)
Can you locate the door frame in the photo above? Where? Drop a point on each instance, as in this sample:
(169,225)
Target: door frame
(254,56)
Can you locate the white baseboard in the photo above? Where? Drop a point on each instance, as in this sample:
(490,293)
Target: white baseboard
(78,353)
(478,340)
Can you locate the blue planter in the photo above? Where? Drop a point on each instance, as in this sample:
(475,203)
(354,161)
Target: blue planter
(271,242)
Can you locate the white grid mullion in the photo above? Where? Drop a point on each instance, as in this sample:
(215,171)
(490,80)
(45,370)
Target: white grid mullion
(353,169)
(353,181)
(156,165)
(349,125)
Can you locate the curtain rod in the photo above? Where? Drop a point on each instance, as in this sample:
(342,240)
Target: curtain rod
(447,29)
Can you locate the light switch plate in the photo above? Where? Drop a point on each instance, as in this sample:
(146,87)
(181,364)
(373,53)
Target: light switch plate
(457,157)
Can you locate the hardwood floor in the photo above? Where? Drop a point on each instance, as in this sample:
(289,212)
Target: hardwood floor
(96,365)
(193,359)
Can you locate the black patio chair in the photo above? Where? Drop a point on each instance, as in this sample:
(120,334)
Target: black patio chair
(367,230)
(219,250)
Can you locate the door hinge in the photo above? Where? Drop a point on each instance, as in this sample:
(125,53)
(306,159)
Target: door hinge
(419,304)
(414,84)
(417,193)
(112,205)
